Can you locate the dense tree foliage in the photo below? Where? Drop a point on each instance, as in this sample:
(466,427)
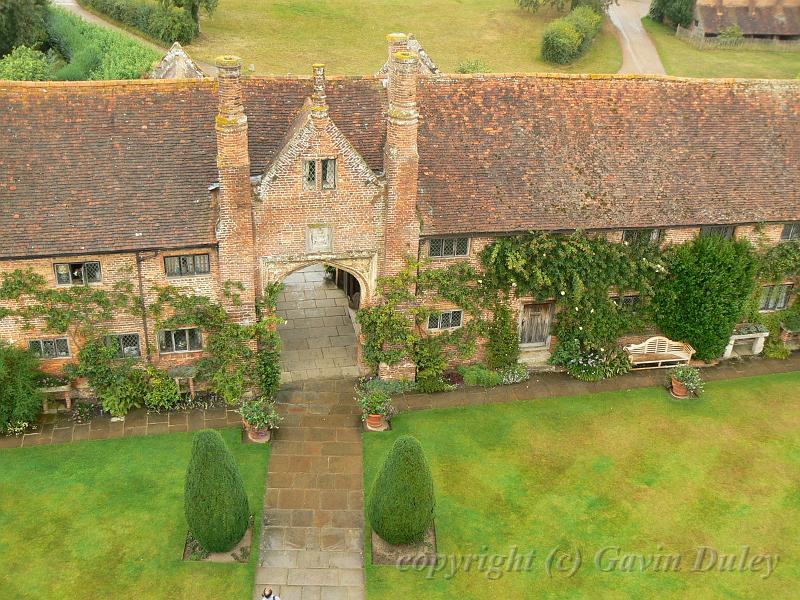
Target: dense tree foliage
(710,282)
(402,502)
(215,501)
(20,402)
(675,12)
(24,64)
(22,23)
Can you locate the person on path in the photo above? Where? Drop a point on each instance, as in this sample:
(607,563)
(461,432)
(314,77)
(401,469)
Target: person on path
(268,595)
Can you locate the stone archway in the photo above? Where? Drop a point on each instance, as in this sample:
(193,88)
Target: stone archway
(319,336)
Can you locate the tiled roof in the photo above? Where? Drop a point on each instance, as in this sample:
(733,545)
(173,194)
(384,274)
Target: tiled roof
(754,17)
(106,166)
(511,153)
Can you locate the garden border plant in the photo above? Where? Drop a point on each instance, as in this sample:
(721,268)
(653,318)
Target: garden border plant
(232,364)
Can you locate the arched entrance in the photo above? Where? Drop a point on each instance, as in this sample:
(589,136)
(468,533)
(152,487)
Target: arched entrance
(319,336)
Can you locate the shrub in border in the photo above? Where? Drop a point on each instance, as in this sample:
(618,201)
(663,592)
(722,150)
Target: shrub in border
(402,502)
(215,501)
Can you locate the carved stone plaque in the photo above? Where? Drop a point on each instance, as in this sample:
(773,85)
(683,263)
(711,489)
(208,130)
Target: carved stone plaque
(319,239)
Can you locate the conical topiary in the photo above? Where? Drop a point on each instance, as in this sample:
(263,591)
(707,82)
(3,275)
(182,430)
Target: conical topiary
(402,501)
(215,501)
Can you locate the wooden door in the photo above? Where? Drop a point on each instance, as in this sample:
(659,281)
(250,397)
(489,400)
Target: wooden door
(534,326)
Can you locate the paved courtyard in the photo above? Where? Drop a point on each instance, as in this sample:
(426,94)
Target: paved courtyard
(312,539)
(319,341)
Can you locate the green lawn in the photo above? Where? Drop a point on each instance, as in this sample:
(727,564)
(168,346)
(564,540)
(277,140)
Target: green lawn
(682,59)
(633,469)
(104,519)
(282,36)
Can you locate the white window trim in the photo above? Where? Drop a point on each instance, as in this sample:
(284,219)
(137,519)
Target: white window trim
(450,256)
(440,313)
(120,335)
(82,262)
(187,351)
(53,339)
(190,275)
(789,293)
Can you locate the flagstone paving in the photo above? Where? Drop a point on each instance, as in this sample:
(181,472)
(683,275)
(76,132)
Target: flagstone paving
(312,540)
(318,337)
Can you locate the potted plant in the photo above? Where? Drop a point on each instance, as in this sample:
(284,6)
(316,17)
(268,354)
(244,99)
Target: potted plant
(259,417)
(684,380)
(376,408)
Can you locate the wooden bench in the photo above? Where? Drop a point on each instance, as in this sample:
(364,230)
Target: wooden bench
(659,352)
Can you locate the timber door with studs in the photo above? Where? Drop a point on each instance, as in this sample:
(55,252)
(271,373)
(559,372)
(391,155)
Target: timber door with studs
(534,324)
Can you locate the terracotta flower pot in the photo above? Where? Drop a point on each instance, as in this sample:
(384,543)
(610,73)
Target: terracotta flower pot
(259,436)
(375,421)
(678,389)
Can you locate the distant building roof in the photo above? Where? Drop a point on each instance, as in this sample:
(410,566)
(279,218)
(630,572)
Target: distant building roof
(176,64)
(753,17)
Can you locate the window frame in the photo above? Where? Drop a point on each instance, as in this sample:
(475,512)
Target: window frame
(310,178)
(727,232)
(322,172)
(162,335)
(41,356)
(774,295)
(438,315)
(791,231)
(180,258)
(627,301)
(84,279)
(455,240)
(118,336)
(654,235)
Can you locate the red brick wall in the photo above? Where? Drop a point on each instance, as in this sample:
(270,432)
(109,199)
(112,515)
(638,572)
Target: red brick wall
(116,268)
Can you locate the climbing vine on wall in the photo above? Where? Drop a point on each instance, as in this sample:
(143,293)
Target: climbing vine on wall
(229,364)
(578,272)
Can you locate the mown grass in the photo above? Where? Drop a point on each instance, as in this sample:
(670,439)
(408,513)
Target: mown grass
(104,519)
(682,59)
(634,470)
(287,36)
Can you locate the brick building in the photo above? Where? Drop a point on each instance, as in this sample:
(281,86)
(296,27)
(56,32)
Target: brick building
(194,182)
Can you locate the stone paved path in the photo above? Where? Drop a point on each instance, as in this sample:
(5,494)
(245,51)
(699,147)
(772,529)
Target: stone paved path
(319,341)
(312,538)
(59,428)
(639,54)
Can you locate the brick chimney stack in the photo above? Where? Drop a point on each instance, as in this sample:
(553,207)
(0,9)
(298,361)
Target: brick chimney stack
(237,261)
(319,103)
(401,161)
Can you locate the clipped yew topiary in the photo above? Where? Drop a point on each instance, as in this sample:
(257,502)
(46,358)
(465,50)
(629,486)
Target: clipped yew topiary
(215,501)
(402,502)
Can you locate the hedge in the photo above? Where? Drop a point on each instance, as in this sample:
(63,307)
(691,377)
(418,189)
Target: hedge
(215,501)
(20,399)
(165,23)
(402,502)
(96,52)
(567,38)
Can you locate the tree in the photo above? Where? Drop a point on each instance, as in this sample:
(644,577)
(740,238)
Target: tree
(22,23)
(215,502)
(193,7)
(20,400)
(677,12)
(24,64)
(599,6)
(402,501)
(710,282)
